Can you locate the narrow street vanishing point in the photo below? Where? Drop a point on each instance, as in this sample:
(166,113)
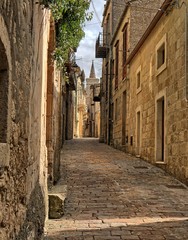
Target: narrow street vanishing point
(112,195)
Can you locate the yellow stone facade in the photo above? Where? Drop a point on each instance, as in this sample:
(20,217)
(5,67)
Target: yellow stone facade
(150,107)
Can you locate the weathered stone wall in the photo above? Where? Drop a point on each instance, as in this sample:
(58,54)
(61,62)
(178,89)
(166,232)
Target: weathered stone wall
(169,84)
(23,30)
(57,124)
(80,109)
(53,111)
(69,114)
(117,10)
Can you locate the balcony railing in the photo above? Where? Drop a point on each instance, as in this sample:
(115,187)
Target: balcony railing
(100,47)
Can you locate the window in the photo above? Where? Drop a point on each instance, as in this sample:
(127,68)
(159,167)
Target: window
(124,50)
(116,64)
(161,54)
(138,80)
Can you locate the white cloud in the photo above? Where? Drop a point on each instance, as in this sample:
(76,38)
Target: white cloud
(86,50)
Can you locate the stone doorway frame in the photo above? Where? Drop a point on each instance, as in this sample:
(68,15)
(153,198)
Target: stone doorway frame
(7,68)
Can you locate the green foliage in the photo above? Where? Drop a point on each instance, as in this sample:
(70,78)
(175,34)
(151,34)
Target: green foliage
(69,16)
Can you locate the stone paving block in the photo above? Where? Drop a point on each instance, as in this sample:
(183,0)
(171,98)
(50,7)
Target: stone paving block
(99,225)
(130,237)
(104,237)
(112,195)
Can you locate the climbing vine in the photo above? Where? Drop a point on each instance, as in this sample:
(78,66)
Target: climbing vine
(69,17)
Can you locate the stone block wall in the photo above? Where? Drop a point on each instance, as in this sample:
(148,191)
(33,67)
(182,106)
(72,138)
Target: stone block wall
(69,114)
(112,13)
(53,110)
(23,171)
(169,84)
(142,13)
(158,86)
(137,18)
(117,10)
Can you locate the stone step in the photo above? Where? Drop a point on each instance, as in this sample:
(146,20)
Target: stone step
(56,197)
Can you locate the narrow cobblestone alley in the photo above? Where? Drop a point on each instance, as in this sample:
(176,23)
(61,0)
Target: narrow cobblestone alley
(111,195)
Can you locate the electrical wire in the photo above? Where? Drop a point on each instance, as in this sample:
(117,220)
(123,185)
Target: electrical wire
(96,14)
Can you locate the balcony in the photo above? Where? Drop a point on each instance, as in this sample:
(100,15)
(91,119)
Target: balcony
(100,48)
(96,93)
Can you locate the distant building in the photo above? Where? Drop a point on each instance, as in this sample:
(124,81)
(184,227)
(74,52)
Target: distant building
(80,107)
(92,124)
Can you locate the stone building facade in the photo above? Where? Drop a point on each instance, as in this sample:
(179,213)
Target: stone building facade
(123,25)
(31,117)
(158,92)
(53,110)
(146,78)
(130,28)
(80,107)
(92,124)
(23,145)
(112,12)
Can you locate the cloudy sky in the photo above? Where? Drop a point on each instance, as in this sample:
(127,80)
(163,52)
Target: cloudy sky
(86,50)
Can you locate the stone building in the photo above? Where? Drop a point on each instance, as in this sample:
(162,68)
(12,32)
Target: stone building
(53,110)
(123,25)
(32,117)
(112,12)
(145,75)
(130,28)
(80,107)
(69,105)
(158,120)
(92,124)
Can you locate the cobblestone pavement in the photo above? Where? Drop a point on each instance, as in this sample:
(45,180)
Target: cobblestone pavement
(112,195)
